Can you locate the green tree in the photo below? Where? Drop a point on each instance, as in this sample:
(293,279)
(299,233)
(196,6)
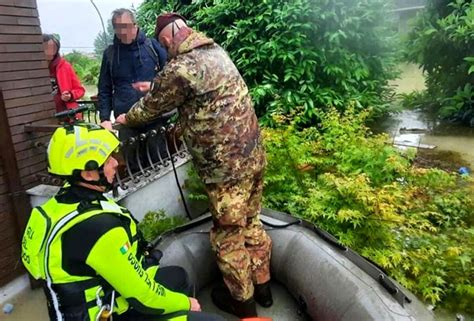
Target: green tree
(149,10)
(103,40)
(313,54)
(442,43)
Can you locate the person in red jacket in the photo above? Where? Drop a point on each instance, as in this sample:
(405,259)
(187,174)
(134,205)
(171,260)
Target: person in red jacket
(66,87)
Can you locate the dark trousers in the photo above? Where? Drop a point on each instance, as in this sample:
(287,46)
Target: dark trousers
(174,278)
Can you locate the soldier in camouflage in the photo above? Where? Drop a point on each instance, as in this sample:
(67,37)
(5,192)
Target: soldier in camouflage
(221,132)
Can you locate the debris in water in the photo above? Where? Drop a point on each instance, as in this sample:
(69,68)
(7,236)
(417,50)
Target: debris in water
(464,171)
(410,144)
(413,130)
(459,317)
(7,308)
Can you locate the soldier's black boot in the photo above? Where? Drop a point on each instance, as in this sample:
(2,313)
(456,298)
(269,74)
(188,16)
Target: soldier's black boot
(263,294)
(224,301)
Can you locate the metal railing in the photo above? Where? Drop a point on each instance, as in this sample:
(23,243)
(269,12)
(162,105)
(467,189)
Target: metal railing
(148,155)
(92,114)
(142,158)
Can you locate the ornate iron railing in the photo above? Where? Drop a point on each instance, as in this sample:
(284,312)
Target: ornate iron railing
(142,158)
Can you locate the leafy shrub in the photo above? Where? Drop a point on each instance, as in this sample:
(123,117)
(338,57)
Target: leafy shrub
(156,223)
(416,223)
(87,68)
(312,54)
(442,42)
(417,99)
(194,184)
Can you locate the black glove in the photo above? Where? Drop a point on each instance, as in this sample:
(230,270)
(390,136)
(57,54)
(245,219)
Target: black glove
(152,258)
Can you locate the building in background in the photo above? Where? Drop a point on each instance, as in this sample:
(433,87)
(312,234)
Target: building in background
(405,11)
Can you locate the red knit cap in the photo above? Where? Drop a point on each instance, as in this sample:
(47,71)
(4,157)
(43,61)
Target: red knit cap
(165,19)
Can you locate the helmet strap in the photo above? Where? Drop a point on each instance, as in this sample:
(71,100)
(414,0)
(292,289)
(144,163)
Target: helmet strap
(102,181)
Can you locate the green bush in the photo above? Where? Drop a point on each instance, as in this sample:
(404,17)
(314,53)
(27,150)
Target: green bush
(312,54)
(87,68)
(418,99)
(442,43)
(416,223)
(156,223)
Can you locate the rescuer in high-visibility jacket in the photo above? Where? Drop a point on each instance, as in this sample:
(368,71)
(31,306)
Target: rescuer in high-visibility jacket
(88,249)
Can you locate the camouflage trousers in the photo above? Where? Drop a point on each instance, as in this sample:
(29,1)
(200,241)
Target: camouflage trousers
(241,245)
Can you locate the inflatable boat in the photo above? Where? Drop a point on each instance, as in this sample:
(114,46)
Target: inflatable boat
(314,277)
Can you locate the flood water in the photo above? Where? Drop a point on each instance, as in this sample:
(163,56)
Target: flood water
(417,128)
(422,127)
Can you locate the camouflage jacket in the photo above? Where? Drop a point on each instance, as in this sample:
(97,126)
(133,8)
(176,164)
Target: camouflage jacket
(220,126)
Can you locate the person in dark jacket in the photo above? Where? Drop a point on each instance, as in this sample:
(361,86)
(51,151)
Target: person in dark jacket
(131,60)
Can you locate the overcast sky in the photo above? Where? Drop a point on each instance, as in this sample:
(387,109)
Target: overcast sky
(76,21)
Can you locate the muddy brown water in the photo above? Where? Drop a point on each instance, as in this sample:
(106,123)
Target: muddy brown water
(453,142)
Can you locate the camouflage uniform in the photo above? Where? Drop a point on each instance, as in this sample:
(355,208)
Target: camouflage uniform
(222,134)
(241,244)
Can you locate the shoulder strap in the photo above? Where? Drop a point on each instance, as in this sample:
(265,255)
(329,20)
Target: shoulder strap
(56,228)
(109,53)
(152,52)
(48,224)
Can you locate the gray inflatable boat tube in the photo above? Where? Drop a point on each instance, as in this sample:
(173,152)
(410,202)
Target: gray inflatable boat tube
(330,281)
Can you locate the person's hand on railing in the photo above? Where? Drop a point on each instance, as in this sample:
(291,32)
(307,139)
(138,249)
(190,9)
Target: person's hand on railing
(107,124)
(142,86)
(121,119)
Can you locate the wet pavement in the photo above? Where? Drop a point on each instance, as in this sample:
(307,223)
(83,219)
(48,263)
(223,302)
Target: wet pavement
(28,306)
